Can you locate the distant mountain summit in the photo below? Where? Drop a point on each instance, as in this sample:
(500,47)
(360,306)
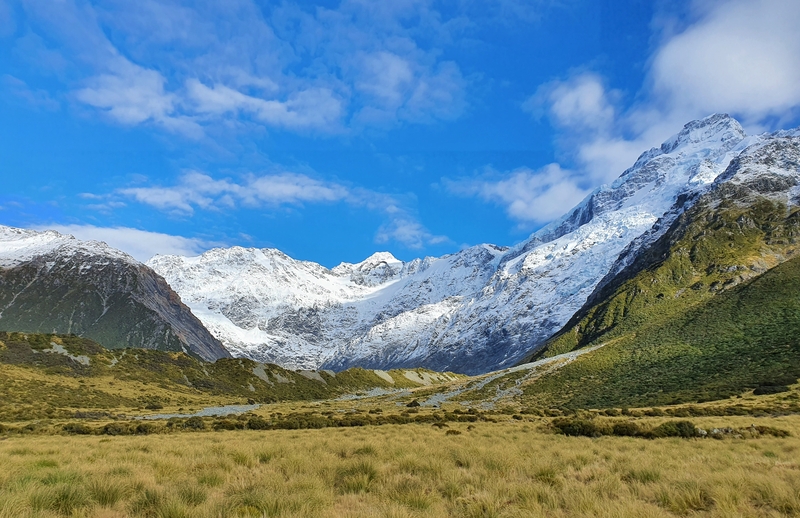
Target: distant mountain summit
(485,307)
(54,283)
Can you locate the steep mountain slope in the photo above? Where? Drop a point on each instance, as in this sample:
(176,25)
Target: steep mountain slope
(55,283)
(709,309)
(480,309)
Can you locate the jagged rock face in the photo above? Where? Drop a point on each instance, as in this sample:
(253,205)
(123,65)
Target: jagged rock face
(474,311)
(57,284)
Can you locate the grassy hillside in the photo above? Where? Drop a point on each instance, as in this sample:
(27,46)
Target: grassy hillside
(48,376)
(701,321)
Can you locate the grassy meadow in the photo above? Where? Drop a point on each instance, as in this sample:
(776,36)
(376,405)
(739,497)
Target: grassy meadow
(510,468)
(71,444)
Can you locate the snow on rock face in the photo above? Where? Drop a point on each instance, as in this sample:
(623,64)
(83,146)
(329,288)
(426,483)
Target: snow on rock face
(51,282)
(474,311)
(19,245)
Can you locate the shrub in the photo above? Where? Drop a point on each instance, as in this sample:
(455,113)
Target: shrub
(227,424)
(77,428)
(258,423)
(626,429)
(577,427)
(673,429)
(195,423)
(116,429)
(775,432)
(144,429)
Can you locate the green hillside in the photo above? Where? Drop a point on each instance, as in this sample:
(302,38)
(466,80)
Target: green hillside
(50,376)
(698,321)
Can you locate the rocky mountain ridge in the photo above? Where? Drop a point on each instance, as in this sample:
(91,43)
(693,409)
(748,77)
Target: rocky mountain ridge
(54,283)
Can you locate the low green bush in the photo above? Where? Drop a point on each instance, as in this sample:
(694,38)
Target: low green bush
(194,423)
(77,428)
(673,429)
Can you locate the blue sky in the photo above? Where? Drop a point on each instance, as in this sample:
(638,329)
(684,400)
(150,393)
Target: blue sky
(331,130)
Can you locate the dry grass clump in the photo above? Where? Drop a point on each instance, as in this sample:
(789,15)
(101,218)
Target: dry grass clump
(504,469)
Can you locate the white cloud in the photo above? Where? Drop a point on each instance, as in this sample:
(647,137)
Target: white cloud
(409,232)
(186,66)
(741,56)
(140,244)
(578,103)
(133,95)
(528,196)
(315,107)
(583,110)
(195,190)
(737,56)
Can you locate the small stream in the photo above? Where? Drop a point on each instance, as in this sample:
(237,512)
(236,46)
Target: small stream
(210,411)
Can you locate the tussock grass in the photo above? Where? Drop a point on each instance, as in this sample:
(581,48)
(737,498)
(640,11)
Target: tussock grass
(496,469)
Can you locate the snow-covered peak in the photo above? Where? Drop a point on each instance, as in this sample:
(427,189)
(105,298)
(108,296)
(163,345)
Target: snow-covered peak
(376,269)
(717,129)
(689,161)
(20,245)
(371,262)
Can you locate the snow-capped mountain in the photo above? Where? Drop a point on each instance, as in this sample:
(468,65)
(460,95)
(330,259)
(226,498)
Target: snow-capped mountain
(51,282)
(474,311)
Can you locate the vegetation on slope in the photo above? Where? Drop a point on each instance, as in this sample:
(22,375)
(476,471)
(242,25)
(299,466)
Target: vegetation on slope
(698,322)
(47,376)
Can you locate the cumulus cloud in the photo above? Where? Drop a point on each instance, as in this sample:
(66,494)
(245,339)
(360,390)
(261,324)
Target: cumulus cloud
(528,196)
(140,244)
(741,56)
(129,98)
(578,103)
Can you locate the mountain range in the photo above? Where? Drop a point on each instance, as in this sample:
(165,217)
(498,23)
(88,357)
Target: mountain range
(483,308)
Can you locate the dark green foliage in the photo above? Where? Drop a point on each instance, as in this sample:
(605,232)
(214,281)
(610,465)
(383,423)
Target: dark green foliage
(770,389)
(685,429)
(194,423)
(258,423)
(227,424)
(579,427)
(144,429)
(590,428)
(78,429)
(117,429)
(626,429)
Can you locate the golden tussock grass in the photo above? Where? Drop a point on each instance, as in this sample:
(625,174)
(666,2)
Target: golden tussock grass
(503,469)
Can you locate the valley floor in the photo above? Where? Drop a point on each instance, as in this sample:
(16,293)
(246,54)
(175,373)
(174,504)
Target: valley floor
(508,468)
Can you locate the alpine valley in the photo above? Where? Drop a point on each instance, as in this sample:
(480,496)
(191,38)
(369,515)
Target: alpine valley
(485,307)
(481,309)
